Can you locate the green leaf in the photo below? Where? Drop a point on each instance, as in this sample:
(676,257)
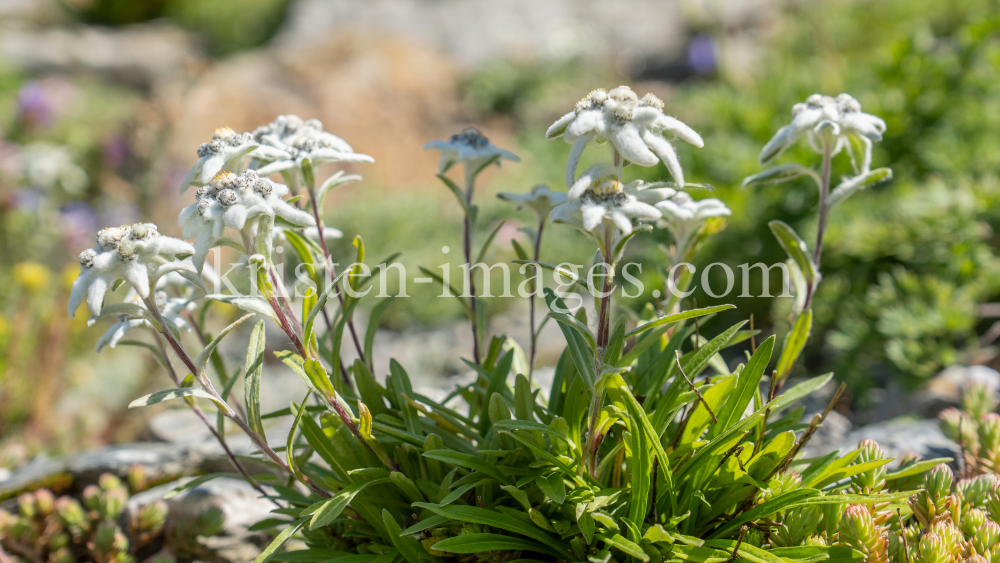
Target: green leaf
(916,468)
(616,256)
(250,304)
(796,249)
(780,174)
(575,324)
(457,191)
(615,344)
(519,250)
(532,426)
(746,386)
(324,446)
(469,462)
(670,319)
(498,382)
(279,541)
(479,543)
(846,188)
(553,486)
(205,354)
(253,368)
(858,499)
(801,390)
(814,554)
(627,547)
(290,444)
(336,180)
(836,471)
(583,354)
(169,394)
(555,269)
(131,309)
(329,509)
(409,547)
(320,379)
(489,241)
(795,342)
(746,551)
(698,360)
(780,502)
(310,325)
(476,515)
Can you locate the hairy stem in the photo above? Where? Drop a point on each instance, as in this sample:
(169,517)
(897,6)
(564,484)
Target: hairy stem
(467,249)
(824,195)
(310,180)
(228,412)
(531,301)
(211,427)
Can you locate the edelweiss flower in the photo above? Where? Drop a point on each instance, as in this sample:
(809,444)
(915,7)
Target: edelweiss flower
(470,148)
(540,199)
(231,201)
(227,146)
(135,253)
(170,309)
(634,127)
(599,197)
(288,141)
(841,117)
(683,216)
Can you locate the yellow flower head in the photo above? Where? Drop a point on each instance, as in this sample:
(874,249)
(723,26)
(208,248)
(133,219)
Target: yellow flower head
(32,275)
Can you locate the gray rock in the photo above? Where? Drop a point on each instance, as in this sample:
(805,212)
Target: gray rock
(139,55)
(74,471)
(478,31)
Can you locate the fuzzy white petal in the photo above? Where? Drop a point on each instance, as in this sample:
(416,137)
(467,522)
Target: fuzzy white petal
(79,291)
(235,217)
(680,130)
(212,166)
(663,149)
(559,127)
(96,289)
(591,121)
(593,214)
(574,159)
(622,221)
(627,139)
(292,215)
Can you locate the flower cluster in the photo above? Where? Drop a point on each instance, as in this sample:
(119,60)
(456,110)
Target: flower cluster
(237,201)
(634,127)
(289,141)
(225,149)
(471,148)
(839,118)
(599,197)
(136,253)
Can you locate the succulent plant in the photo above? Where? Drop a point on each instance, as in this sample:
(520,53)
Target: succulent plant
(67,530)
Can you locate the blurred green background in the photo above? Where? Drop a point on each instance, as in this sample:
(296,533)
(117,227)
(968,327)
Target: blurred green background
(909,266)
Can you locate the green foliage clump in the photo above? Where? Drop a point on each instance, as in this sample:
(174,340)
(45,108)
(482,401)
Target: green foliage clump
(669,469)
